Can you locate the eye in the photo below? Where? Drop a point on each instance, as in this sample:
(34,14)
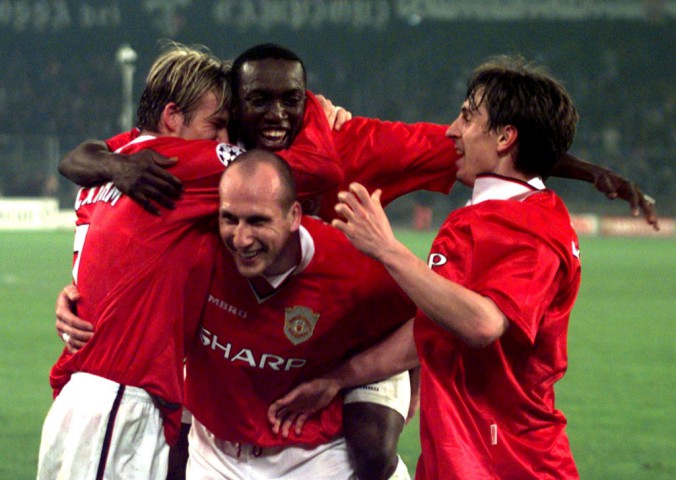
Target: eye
(228,218)
(257,221)
(294,100)
(256,101)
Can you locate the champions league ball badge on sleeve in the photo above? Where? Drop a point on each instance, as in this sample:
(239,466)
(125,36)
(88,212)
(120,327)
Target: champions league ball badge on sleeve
(228,153)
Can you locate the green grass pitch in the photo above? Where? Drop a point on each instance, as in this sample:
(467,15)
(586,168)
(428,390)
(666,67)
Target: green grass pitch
(618,395)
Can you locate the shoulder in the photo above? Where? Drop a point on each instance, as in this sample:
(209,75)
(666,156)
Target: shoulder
(332,247)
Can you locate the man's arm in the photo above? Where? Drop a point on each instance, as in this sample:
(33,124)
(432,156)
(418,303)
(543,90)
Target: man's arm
(393,355)
(609,183)
(473,318)
(141,176)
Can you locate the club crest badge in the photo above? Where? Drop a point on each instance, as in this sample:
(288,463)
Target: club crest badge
(228,153)
(299,323)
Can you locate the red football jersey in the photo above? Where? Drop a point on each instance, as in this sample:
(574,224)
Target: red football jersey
(396,157)
(253,352)
(489,413)
(142,278)
(312,157)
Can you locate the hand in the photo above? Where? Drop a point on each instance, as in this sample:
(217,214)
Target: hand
(294,408)
(366,224)
(615,186)
(143,178)
(335,115)
(71,329)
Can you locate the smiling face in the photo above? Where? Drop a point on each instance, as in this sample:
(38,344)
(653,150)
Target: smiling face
(270,103)
(256,223)
(478,147)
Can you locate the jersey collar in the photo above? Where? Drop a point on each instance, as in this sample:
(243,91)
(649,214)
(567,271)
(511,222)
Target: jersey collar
(496,187)
(307,251)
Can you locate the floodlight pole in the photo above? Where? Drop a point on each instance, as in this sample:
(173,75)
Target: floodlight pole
(126,59)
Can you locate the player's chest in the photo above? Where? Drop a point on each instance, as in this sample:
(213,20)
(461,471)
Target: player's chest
(296,317)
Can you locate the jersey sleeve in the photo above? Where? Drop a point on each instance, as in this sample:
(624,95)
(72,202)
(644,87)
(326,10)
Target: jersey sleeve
(396,157)
(514,268)
(312,156)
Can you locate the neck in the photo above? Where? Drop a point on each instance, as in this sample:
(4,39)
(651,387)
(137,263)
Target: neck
(289,257)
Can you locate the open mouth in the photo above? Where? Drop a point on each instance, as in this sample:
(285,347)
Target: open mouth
(249,256)
(274,136)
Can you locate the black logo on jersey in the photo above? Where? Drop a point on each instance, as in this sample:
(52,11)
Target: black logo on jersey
(228,153)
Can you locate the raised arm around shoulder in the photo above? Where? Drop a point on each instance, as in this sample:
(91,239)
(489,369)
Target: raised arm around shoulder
(88,164)
(610,184)
(141,176)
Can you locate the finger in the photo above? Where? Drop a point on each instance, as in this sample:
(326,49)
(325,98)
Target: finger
(165,162)
(145,203)
(276,426)
(67,321)
(81,328)
(634,199)
(159,196)
(71,344)
(343,210)
(72,334)
(342,116)
(300,421)
(351,201)
(272,413)
(375,198)
(331,119)
(286,426)
(74,345)
(647,204)
(71,292)
(360,192)
(339,224)
(80,337)
(164,181)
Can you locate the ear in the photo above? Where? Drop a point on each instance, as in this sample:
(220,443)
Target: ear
(171,120)
(507,138)
(296,213)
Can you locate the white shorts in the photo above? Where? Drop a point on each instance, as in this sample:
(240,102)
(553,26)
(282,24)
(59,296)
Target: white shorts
(214,459)
(394,392)
(78,433)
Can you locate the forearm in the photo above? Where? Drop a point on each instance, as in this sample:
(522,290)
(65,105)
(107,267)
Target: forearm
(395,354)
(90,163)
(569,166)
(474,318)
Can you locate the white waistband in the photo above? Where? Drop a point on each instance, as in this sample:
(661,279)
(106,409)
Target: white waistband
(94,383)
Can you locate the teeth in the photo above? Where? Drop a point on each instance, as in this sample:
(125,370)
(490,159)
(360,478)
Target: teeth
(274,134)
(248,255)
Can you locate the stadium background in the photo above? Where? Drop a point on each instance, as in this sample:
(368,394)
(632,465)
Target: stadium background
(397,60)
(406,60)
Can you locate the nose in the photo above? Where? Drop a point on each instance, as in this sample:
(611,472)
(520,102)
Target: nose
(277,109)
(242,237)
(453,130)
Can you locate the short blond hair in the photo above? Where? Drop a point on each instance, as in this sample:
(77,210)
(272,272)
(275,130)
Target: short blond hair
(182,75)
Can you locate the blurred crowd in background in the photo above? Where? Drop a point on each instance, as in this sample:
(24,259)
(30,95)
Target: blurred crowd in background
(58,88)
